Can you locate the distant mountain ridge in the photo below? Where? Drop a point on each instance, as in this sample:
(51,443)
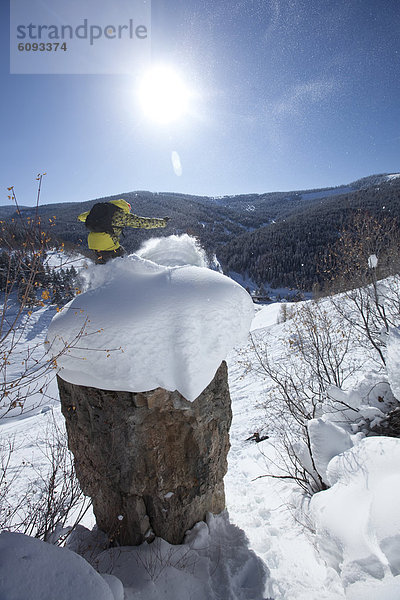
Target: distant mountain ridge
(273,238)
(289,252)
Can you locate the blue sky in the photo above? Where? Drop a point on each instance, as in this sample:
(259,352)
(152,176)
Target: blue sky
(287,95)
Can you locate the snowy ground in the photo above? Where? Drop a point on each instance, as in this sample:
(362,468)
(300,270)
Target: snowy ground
(261,509)
(268,547)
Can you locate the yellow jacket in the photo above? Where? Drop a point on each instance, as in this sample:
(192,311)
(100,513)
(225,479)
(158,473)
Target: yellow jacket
(105,241)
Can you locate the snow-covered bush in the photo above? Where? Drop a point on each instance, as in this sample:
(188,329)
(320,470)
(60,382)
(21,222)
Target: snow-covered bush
(319,400)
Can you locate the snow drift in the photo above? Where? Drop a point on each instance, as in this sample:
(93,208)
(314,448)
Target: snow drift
(140,326)
(214,562)
(357,519)
(34,569)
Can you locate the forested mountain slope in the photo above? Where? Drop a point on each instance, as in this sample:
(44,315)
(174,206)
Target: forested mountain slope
(276,238)
(290,252)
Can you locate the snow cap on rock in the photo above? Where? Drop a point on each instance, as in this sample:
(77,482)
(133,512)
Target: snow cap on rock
(140,326)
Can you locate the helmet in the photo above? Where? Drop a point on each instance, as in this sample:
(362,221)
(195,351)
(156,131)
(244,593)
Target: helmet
(121,203)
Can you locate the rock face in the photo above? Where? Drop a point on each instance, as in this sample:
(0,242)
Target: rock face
(152,462)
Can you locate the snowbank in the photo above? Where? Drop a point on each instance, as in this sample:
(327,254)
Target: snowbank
(357,519)
(30,568)
(266,316)
(140,326)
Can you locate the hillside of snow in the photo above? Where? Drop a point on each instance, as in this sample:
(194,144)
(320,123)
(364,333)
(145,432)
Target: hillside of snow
(274,540)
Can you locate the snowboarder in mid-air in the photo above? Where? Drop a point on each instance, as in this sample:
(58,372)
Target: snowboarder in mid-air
(106,221)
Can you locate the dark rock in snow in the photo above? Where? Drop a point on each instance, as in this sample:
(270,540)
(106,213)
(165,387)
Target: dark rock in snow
(390,425)
(152,462)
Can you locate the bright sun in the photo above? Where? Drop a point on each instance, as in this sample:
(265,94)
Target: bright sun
(163,95)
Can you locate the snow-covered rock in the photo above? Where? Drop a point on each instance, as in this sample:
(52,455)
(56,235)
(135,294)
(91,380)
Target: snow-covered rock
(30,568)
(141,326)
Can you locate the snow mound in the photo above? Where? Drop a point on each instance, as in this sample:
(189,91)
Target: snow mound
(141,326)
(357,519)
(266,316)
(174,251)
(30,568)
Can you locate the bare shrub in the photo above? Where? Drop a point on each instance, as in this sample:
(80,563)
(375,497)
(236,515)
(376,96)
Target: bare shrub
(40,506)
(24,283)
(52,495)
(285,313)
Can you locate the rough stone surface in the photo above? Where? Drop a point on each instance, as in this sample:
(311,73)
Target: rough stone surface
(152,462)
